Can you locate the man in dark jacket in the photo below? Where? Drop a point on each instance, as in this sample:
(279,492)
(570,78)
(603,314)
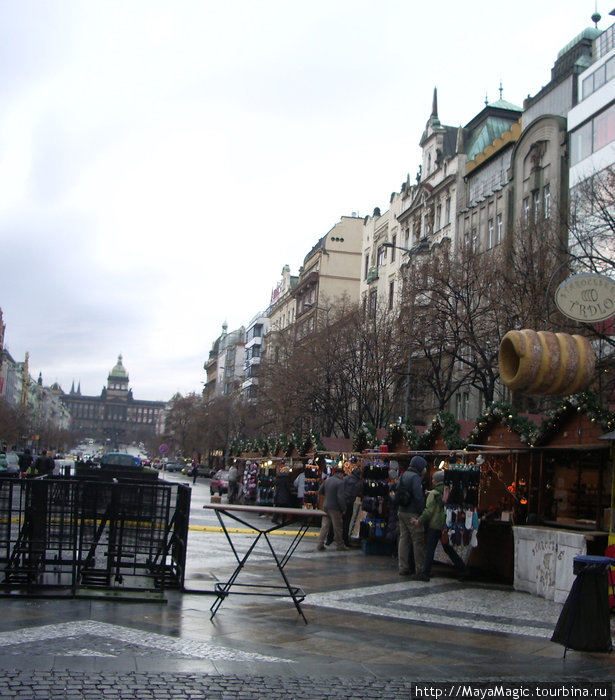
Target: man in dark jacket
(334,507)
(409,492)
(44,464)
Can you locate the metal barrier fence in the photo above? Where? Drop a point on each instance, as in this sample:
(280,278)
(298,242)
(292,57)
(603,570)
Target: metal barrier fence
(78,535)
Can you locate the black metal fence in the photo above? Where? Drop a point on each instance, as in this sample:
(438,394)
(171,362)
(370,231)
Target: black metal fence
(78,535)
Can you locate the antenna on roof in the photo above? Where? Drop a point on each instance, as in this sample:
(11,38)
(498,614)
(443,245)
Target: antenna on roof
(501,88)
(486,99)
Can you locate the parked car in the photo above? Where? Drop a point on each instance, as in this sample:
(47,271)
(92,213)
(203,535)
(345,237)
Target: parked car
(219,482)
(172,467)
(206,471)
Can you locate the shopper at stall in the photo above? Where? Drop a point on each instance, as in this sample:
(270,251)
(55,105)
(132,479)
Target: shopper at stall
(233,476)
(299,488)
(410,500)
(334,507)
(433,517)
(353,488)
(283,496)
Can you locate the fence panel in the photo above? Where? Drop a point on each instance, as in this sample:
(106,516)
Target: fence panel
(79,534)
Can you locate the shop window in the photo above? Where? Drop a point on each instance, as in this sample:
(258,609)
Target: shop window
(574,492)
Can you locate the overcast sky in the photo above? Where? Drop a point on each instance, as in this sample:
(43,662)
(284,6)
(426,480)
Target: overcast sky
(160,162)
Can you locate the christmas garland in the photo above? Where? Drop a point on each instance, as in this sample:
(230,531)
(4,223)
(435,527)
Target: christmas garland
(506,414)
(446,423)
(586,402)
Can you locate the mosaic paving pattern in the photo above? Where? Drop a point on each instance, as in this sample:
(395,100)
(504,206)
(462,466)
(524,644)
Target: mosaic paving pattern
(105,640)
(447,603)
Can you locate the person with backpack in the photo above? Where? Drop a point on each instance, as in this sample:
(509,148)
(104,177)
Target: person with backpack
(434,517)
(410,501)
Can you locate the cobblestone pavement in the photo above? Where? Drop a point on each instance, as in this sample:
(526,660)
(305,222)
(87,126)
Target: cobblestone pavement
(370,634)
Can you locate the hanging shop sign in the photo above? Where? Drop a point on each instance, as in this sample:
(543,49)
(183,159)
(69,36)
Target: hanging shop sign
(586,297)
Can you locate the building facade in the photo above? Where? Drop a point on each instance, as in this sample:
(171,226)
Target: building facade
(115,416)
(330,274)
(256,331)
(225,365)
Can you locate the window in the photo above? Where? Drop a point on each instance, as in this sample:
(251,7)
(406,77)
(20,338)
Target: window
(581,143)
(535,205)
(499,229)
(382,255)
(474,240)
(604,128)
(593,135)
(391,294)
(373,303)
(447,211)
(546,201)
(526,208)
(394,242)
(366,271)
(438,217)
(490,234)
(463,403)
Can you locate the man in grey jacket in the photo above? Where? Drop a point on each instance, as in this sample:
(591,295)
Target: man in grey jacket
(334,507)
(411,483)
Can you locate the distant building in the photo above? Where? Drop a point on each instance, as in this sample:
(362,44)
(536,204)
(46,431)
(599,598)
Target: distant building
(255,332)
(225,365)
(114,416)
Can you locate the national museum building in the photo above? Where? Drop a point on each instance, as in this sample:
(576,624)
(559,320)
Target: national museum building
(114,415)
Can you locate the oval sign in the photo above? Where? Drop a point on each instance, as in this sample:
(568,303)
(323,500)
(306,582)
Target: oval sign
(586,297)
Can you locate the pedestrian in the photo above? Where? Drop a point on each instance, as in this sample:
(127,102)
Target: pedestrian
(195,471)
(233,475)
(282,497)
(25,460)
(434,518)
(299,486)
(353,488)
(334,507)
(44,464)
(410,500)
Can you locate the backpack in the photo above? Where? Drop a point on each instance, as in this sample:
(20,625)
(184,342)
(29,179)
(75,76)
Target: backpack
(403,495)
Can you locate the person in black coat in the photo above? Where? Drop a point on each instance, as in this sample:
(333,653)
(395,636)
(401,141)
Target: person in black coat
(283,494)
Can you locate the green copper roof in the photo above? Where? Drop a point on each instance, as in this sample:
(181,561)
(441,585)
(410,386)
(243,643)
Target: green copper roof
(118,370)
(588,33)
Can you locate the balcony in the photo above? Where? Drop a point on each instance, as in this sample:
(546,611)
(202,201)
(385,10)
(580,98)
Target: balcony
(372,274)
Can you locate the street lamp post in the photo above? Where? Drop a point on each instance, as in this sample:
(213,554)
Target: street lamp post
(423,246)
(308,305)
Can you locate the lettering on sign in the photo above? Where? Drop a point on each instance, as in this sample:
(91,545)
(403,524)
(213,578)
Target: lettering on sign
(586,297)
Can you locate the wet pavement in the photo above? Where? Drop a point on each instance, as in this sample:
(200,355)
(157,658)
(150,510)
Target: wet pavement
(370,633)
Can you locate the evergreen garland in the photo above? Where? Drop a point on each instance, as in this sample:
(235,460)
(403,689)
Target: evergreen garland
(506,414)
(587,402)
